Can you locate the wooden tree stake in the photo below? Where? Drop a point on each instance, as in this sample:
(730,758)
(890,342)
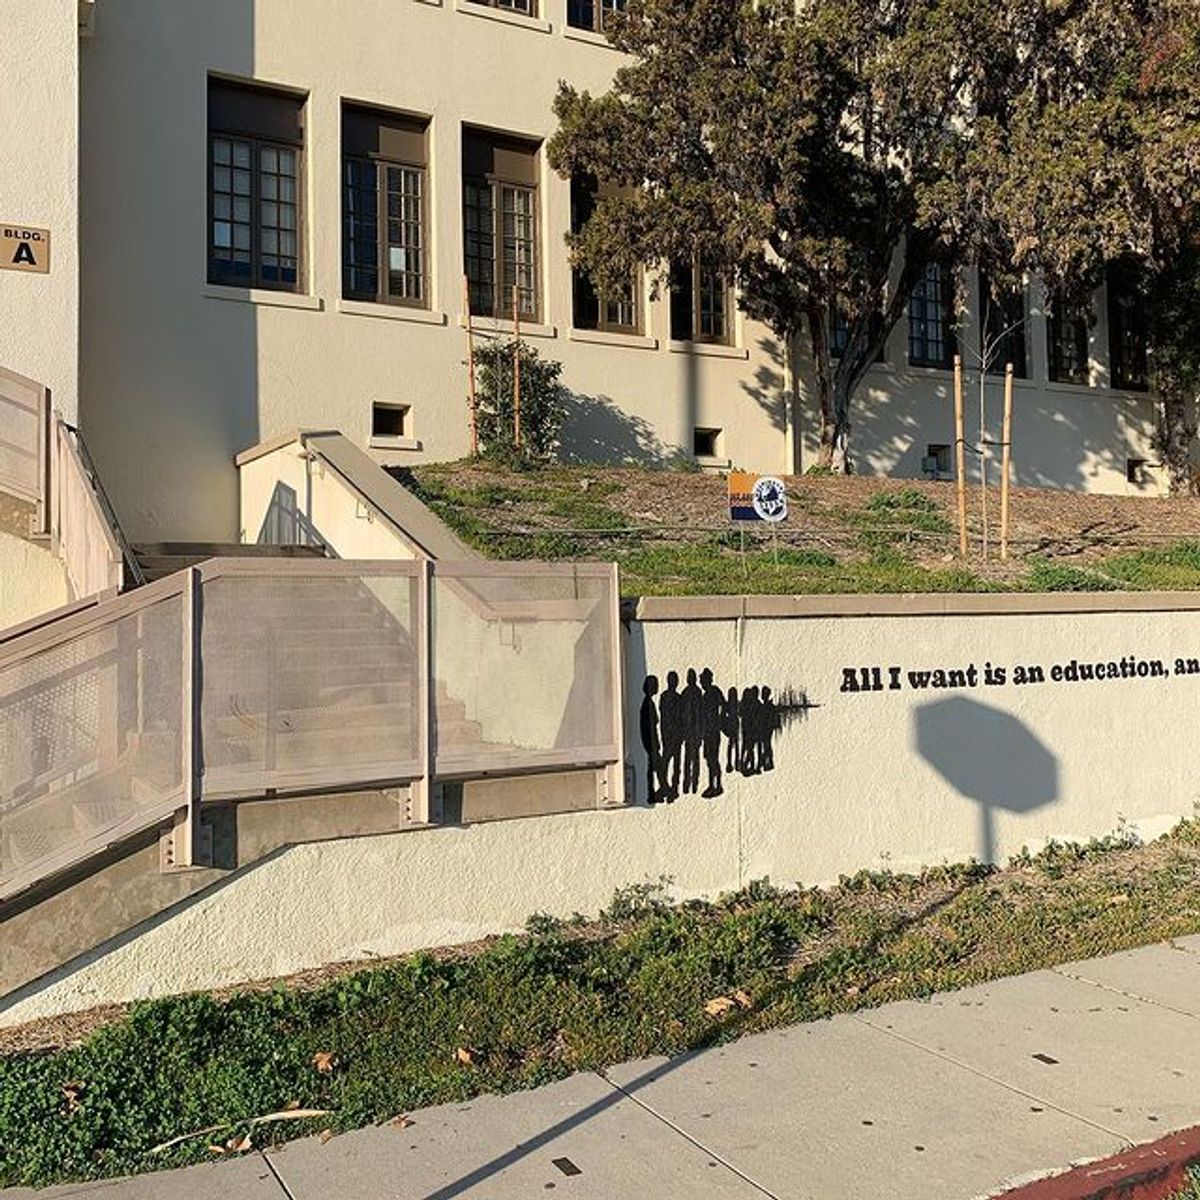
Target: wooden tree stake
(960,464)
(1006,463)
(516,307)
(471,368)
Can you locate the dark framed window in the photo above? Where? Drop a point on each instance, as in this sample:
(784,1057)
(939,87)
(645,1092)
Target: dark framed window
(839,334)
(384,208)
(255,159)
(592,14)
(527,8)
(839,331)
(701,308)
(931,338)
(615,312)
(500,224)
(1005,322)
(1067,342)
(1128,331)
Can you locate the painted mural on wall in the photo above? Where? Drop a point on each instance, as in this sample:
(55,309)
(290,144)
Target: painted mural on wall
(700,733)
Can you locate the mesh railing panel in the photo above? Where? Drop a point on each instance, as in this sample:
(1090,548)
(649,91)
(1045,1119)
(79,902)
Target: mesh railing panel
(89,740)
(523,667)
(308,680)
(22,419)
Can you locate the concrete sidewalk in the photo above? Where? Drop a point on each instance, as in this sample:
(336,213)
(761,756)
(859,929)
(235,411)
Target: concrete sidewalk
(951,1099)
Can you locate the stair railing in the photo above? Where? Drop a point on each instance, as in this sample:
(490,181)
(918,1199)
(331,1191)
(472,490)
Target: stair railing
(229,681)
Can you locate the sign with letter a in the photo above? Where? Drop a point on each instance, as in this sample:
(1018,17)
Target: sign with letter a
(23,248)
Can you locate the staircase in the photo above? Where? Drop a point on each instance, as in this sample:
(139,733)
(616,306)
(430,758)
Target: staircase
(312,675)
(159,559)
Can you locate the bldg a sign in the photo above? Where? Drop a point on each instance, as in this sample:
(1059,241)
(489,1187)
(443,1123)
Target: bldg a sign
(24,248)
(757,498)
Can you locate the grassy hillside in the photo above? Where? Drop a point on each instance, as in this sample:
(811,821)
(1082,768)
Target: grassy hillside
(671,535)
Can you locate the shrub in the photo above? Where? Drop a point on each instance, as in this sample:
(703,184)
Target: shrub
(543,404)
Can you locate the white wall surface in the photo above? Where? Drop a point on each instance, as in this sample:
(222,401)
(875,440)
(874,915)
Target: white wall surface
(894,779)
(33,580)
(39,187)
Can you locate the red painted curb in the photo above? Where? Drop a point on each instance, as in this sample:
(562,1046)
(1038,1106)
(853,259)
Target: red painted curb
(1149,1172)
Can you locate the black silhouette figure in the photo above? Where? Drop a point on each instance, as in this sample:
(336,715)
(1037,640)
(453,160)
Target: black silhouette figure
(695,719)
(750,731)
(655,782)
(729,727)
(670,708)
(693,732)
(711,707)
(768,727)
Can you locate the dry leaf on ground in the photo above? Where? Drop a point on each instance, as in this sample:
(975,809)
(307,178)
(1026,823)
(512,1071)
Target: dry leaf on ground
(324,1061)
(718,1006)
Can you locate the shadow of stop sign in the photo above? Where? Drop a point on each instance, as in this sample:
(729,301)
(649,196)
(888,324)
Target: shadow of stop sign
(988,756)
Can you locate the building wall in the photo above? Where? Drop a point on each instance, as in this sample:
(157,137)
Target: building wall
(34,580)
(179,376)
(897,779)
(39,187)
(1063,434)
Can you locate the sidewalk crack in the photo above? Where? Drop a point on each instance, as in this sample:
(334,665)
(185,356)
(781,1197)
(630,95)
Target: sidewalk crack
(1112,989)
(287,1191)
(687,1137)
(1010,1087)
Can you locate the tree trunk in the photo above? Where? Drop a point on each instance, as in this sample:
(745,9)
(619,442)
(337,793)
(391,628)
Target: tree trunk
(1173,438)
(840,462)
(818,330)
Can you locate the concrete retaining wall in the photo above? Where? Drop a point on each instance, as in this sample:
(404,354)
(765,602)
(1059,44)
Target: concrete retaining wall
(902,777)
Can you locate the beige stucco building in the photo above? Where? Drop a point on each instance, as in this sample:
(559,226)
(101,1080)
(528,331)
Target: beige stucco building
(215,177)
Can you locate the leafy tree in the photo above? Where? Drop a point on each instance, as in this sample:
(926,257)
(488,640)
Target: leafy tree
(1109,168)
(821,153)
(543,404)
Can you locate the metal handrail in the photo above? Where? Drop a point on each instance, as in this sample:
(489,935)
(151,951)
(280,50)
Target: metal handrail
(132,566)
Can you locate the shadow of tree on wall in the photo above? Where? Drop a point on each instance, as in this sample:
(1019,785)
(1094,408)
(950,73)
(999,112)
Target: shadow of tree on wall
(768,386)
(595,429)
(987,756)
(1061,439)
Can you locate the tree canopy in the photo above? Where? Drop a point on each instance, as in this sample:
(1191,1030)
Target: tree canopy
(822,153)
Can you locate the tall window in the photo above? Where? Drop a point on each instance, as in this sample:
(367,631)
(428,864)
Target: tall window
(1067,337)
(700,304)
(1004,326)
(384,255)
(614,312)
(839,330)
(500,226)
(931,340)
(255,145)
(1128,330)
(592,14)
(839,334)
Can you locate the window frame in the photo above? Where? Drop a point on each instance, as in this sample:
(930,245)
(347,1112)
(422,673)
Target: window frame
(583,290)
(1079,318)
(1019,334)
(501,298)
(599,10)
(232,131)
(697,337)
(382,164)
(1128,341)
(514,7)
(949,333)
